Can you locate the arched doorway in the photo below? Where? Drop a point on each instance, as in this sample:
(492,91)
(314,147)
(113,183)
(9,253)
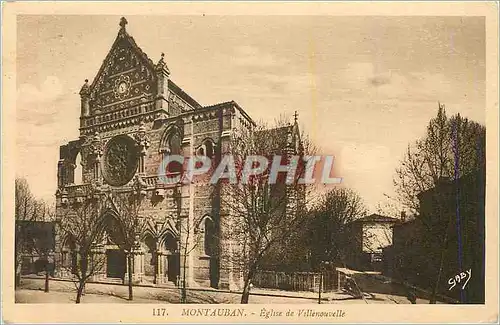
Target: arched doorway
(69,257)
(150,257)
(210,250)
(172,269)
(111,236)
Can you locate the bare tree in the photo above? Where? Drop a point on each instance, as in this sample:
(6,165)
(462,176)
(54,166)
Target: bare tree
(189,240)
(24,213)
(31,235)
(391,207)
(452,147)
(329,236)
(128,204)
(432,158)
(257,213)
(42,241)
(79,223)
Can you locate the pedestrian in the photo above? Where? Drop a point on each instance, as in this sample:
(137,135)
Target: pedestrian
(412,295)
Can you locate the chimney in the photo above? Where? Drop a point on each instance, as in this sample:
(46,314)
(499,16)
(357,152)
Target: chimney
(403,216)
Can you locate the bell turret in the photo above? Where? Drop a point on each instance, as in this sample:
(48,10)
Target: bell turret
(85,98)
(162,76)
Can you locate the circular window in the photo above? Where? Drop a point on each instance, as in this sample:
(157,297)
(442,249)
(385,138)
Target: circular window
(120,160)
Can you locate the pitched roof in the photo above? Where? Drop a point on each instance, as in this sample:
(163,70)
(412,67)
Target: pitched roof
(281,131)
(376,218)
(223,104)
(182,94)
(284,136)
(280,136)
(233,104)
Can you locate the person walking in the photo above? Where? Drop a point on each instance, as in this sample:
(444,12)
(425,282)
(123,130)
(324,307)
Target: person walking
(412,295)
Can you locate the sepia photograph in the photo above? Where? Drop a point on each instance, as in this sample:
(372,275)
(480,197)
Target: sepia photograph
(277,159)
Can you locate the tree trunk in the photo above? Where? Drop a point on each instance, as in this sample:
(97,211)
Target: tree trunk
(46,278)
(17,260)
(183,292)
(246,291)
(18,275)
(246,287)
(129,259)
(183,284)
(18,281)
(433,298)
(83,278)
(79,291)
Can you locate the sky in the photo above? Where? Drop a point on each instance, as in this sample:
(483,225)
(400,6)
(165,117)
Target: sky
(364,87)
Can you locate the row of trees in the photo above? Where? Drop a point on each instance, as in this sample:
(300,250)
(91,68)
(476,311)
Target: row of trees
(284,226)
(278,225)
(451,148)
(262,214)
(30,239)
(81,223)
(266,220)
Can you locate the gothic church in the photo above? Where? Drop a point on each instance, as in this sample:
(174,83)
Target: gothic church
(132,114)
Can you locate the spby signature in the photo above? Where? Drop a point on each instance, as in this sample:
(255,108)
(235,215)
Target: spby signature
(459,278)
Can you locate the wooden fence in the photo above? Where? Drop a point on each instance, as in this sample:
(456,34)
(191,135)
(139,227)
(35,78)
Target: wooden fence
(296,281)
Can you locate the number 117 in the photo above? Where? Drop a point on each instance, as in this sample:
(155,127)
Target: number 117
(159,311)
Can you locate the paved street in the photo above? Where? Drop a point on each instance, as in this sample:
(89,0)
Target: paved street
(31,291)
(378,287)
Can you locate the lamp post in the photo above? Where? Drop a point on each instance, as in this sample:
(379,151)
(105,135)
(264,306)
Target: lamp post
(321,269)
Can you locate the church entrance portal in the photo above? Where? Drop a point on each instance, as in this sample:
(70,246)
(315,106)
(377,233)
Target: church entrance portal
(116,263)
(173,267)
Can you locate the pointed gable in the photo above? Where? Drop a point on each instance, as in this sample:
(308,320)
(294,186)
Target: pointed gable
(126,76)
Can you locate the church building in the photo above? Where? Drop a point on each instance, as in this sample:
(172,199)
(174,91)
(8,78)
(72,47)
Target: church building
(132,115)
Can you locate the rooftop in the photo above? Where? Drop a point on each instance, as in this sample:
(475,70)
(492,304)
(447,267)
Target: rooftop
(377,218)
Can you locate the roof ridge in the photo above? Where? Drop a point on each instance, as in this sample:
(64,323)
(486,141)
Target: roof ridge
(220,104)
(375,216)
(185,95)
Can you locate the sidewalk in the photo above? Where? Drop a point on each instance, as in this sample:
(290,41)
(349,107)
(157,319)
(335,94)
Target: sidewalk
(325,296)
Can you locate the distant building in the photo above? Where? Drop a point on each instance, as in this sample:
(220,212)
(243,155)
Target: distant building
(448,234)
(37,245)
(370,235)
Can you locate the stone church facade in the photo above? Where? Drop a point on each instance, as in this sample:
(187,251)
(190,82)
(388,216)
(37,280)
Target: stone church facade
(132,115)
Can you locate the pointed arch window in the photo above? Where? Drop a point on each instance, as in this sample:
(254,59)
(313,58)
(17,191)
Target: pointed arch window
(171,144)
(207,149)
(209,236)
(78,171)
